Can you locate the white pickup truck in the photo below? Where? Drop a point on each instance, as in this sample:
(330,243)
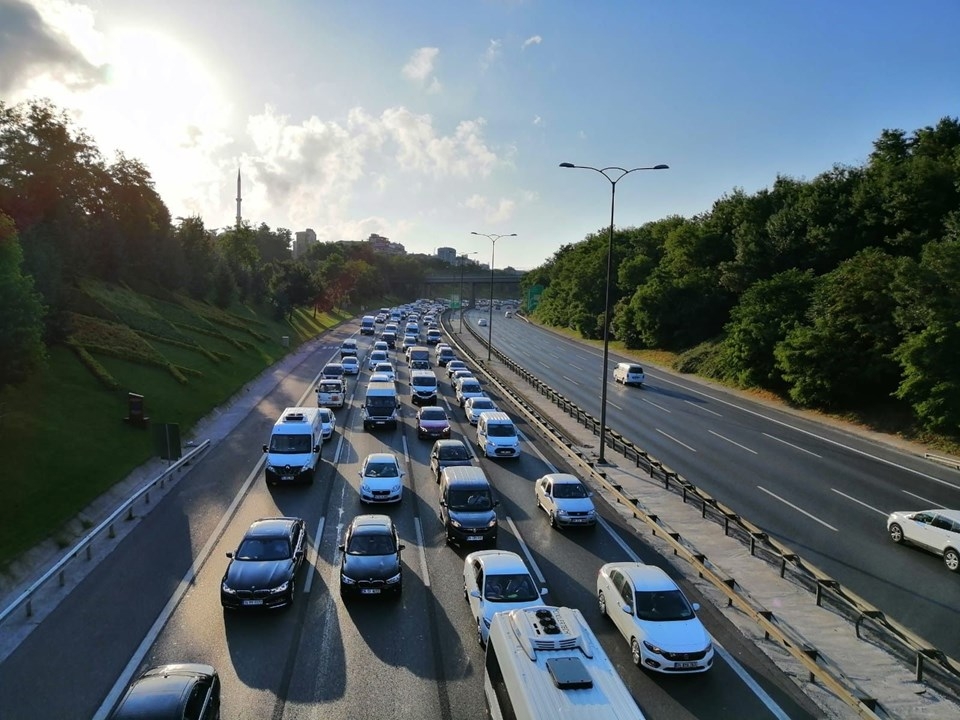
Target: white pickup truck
(330,394)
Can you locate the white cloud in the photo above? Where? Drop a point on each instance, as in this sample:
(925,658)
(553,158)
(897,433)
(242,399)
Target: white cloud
(499,210)
(532,40)
(419,68)
(538,121)
(491,55)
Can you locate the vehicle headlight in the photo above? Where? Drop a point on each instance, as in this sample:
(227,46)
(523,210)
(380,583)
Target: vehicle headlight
(652,648)
(393,580)
(561,511)
(227,589)
(283,587)
(456,523)
(347,580)
(271,468)
(492,522)
(305,467)
(396,488)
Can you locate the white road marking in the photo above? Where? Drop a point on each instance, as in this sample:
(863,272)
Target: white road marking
(420,550)
(795,447)
(313,557)
(526,551)
(406,453)
(619,540)
(659,407)
(576,367)
(859,502)
(675,440)
(701,407)
(615,405)
(569,379)
(761,694)
(742,447)
(797,508)
(931,503)
(546,366)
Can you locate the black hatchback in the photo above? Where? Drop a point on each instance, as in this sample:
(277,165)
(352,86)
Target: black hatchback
(183,691)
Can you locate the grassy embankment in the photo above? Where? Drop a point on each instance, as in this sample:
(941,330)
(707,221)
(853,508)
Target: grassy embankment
(62,434)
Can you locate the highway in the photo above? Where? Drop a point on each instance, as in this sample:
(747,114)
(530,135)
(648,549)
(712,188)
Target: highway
(155,598)
(823,491)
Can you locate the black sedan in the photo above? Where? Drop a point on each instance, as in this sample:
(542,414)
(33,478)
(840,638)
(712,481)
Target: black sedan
(448,453)
(370,558)
(172,692)
(262,572)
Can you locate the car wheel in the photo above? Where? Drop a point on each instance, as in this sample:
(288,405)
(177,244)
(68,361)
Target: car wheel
(635,653)
(553,520)
(602,603)
(951,558)
(896,533)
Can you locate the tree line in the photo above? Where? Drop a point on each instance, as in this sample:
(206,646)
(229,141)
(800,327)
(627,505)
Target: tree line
(66,213)
(841,292)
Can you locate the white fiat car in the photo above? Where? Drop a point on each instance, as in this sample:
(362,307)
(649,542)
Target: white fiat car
(496,581)
(381,479)
(655,617)
(565,500)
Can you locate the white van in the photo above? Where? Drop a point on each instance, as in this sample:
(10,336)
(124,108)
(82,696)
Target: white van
(294,450)
(423,387)
(497,435)
(368,325)
(330,393)
(381,405)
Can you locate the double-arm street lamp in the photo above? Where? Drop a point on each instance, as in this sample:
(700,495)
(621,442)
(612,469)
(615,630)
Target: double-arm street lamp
(463,258)
(613,175)
(493,240)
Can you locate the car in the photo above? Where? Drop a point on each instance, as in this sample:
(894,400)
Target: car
(408,342)
(448,453)
(629,374)
(935,530)
(654,616)
(328,422)
(462,373)
(179,691)
(433,333)
(381,479)
(380,318)
(432,422)
(381,377)
(482,322)
(348,348)
(468,387)
(454,365)
(377,356)
(497,581)
(385,368)
(381,345)
(351,366)
(262,571)
(330,393)
(370,558)
(445,355)
(565,500)
(476,405)
(390,338)
(334,371)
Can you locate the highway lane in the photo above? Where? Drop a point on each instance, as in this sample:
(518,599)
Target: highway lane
(824,491)
(413,658)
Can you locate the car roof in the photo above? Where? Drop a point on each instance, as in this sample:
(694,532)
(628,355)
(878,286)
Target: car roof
(271,526)
(645,577)
(372,522)
(564,478)
(448,443)
(947,513)
(500,562)
(161,691)
(381,457)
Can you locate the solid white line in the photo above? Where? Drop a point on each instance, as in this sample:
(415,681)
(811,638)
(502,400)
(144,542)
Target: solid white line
(931,503)
(526,551)
(675,440)
(568,379)
(420,550)
(761,694)
(186,582)
(314,559)
(614,404)
(795,447)
(859,502)
(742,447)
(659,407)
(795,507)
(619,540)
(701,407)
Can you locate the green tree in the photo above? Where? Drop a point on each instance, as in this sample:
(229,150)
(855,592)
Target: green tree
(21,322)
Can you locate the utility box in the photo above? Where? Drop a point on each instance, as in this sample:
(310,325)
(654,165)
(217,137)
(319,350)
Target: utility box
(136,412)
(285,340)
(166,441)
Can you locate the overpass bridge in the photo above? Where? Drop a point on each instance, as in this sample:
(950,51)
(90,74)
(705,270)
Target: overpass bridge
(475,285)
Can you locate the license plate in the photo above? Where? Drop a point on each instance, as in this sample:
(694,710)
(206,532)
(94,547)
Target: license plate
(369,591)
(686,665)
(252,603)
(474,538)
(286,477)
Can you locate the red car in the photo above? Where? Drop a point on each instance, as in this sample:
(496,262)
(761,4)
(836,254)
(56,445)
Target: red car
(432,423)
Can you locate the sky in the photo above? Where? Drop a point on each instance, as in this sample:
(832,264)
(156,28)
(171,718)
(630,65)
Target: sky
(426,121)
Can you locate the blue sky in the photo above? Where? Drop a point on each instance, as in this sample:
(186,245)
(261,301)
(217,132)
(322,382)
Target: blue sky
(424,121)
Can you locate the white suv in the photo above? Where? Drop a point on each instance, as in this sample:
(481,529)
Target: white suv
(628,374)
(935,530)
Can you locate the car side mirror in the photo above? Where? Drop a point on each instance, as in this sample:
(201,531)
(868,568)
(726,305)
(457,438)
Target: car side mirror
(475,593)
(400,547)
(230,555)
(316,448)
(360,473)
(264,448)
(342,548)
(496,502)
(443,503)
(298,554)
(627,609)
(696,607)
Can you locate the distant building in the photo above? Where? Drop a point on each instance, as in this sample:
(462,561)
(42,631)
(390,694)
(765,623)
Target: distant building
(302,242)
(383,245)
(447,254)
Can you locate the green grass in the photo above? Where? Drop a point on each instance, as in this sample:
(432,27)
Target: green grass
(62,433)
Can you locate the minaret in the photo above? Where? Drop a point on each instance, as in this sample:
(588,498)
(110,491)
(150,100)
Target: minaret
(239,198)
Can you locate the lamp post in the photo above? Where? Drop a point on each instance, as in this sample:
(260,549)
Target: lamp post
(622,173)
(462,256)
(493,240)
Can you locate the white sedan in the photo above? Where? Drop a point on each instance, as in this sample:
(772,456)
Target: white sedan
(351,366)
(385,368)
(476,405)
(566,500)
(328,422)
(655,617)
(497,581)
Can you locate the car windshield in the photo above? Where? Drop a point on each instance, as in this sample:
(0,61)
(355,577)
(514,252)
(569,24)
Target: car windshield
(383,367)
(663,605)
(454,452)
(466,387)
(433,413)
(263,549)
(381,469)
(504,430)
(569,490)
(290,444)
(482,404)
(369,543)
(510,588)
(473,500)
(329,371)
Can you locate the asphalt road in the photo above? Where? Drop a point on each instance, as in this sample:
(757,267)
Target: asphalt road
(416,657)
(823,491)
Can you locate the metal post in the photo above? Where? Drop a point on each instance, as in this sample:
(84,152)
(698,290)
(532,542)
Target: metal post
(493,237)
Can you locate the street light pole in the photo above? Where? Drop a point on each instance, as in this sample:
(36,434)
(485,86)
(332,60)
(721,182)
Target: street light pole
(462,256)
(623,172)
(493,240)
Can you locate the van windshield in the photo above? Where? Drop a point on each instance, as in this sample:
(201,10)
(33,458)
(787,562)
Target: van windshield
(290,444)
(425,382)
(381,401)
(504,430)
(470,500)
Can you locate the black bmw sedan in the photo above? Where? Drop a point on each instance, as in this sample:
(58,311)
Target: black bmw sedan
(262,572)
(370,557)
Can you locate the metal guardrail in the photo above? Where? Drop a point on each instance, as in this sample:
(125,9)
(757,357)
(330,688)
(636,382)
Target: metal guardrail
(83,549)
(928,661)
